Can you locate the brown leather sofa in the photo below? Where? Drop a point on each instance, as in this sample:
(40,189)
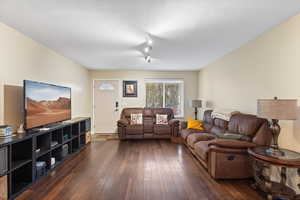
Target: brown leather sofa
(149,128)
(227,158)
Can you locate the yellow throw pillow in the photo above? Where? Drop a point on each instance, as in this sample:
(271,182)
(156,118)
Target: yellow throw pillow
(194,124)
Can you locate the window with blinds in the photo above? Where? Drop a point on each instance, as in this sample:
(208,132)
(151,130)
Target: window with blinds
(165,94)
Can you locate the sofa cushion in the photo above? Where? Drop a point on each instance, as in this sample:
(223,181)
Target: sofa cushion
(163,111)
(160,129)
(245,124)
(201,149)
(136,129)
(185,132)
(196,137)
(220,123)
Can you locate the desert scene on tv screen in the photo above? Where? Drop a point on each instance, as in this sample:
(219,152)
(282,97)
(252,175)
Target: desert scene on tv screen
(46,104)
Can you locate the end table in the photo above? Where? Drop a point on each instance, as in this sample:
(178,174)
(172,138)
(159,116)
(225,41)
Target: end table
(278,176)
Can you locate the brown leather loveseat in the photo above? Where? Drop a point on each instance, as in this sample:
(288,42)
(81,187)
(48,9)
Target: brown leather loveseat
(227,158)
(149,128)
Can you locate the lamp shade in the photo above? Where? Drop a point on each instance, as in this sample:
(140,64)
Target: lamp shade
(196,103)
(281,109)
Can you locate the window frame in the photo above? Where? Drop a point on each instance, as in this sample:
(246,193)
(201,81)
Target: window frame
(164,82)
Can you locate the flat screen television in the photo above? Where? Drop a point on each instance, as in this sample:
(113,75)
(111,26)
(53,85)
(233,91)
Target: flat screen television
(45,104)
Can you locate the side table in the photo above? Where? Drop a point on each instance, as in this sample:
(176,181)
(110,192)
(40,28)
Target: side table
(278,176)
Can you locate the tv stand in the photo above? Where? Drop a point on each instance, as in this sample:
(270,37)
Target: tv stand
(59,142)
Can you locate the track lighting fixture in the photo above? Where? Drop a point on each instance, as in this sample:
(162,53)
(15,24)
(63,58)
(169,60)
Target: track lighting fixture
(148,48)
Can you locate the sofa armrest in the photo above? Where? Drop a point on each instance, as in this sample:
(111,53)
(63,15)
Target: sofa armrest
(123,122)
(214,148)
(183,125)
(174,122)
(235,144)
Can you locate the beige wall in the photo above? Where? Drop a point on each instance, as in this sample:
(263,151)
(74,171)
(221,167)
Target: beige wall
(22,58)
(266,67)
(190,84)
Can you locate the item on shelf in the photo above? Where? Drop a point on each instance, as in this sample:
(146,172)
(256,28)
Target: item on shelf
(65,150)
(37,150)
(6,131)
(53,161)
(21,129)
(40,169)
(54,143)
(66,137)
(55,104)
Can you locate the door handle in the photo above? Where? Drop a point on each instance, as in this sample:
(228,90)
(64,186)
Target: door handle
(117,106)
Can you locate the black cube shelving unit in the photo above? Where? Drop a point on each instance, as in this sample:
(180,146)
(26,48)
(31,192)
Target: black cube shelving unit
(22,154)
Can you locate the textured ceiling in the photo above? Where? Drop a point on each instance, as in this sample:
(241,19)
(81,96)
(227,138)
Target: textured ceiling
(108,34)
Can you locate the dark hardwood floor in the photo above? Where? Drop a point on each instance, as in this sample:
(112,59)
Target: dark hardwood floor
(138,170)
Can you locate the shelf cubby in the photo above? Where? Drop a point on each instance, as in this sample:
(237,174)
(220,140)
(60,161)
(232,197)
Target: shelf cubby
(46,158)
(82,127)
(75,130)
(43,144)
(67,133)
(21,178)
(56,136)
(64,155)
(57,154)
(75,145)
(82,140)
(21,153)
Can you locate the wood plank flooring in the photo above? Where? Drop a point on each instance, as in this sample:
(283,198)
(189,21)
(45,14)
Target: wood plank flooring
(135,170)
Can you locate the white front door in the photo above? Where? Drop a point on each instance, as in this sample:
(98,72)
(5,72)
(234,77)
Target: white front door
(106,106)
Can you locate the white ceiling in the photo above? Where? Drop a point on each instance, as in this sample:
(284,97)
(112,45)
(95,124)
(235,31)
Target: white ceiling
(108,34)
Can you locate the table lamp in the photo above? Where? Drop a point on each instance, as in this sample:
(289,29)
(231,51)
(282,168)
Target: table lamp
(275,110)
(196,104)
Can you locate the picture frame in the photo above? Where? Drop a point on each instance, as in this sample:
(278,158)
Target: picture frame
(130,89)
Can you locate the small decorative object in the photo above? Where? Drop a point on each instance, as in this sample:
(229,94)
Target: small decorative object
(6,131)
(52,161)
(275,110)
(21,129)
(54,143)
(129,88)
(161,119)
(136,118)
(196,104)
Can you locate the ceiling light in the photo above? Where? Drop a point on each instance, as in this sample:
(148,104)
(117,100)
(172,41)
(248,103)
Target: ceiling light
(149,41)
(147,49)
(148,59)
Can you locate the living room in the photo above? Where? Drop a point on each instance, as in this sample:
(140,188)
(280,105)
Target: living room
(168,100)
